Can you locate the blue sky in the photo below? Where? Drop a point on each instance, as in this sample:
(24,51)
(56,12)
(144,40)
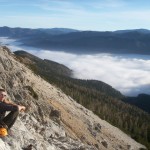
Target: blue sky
(100,15)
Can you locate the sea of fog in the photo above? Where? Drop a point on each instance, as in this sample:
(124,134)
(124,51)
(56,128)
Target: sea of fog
(128,73)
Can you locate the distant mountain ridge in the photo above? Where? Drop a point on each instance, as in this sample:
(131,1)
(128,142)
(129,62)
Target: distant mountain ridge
(23,32)
(74,41)
(142,101)
(57,31)
(145,31)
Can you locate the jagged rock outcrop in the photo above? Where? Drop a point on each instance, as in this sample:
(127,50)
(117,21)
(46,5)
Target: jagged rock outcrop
(53,120)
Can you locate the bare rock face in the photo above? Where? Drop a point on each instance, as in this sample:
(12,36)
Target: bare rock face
(53,120)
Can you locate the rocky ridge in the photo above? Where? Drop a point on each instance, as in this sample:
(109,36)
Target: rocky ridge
(53,120)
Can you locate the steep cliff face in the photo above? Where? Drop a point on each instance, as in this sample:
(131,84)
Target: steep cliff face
(53,120)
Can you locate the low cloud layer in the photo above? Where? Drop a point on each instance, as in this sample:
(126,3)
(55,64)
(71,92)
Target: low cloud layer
(127,73)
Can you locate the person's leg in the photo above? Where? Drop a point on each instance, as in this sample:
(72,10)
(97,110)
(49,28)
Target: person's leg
(10,119)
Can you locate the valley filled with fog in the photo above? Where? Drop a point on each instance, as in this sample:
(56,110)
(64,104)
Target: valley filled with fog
(127,73)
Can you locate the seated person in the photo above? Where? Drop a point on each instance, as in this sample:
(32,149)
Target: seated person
(5,105)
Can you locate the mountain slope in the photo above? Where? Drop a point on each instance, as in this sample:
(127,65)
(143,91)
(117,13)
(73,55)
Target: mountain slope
(99,97)
(47,66)
(53,120)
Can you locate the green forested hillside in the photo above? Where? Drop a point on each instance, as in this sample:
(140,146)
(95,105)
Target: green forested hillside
(97,96)
(46,67)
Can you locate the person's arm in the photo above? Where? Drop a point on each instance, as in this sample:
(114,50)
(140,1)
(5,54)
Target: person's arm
(20,107)
(7,107)
(9,102)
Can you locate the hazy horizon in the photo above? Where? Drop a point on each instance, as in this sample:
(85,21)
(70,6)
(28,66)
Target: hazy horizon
(125,29)
(127,73)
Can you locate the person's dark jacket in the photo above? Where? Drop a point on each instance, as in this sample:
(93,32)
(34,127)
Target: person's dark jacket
(6,107)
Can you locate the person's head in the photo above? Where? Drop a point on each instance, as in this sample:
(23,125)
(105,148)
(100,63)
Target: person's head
(3,94)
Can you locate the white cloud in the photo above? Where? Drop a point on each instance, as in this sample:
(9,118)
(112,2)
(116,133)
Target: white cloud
(127,73)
